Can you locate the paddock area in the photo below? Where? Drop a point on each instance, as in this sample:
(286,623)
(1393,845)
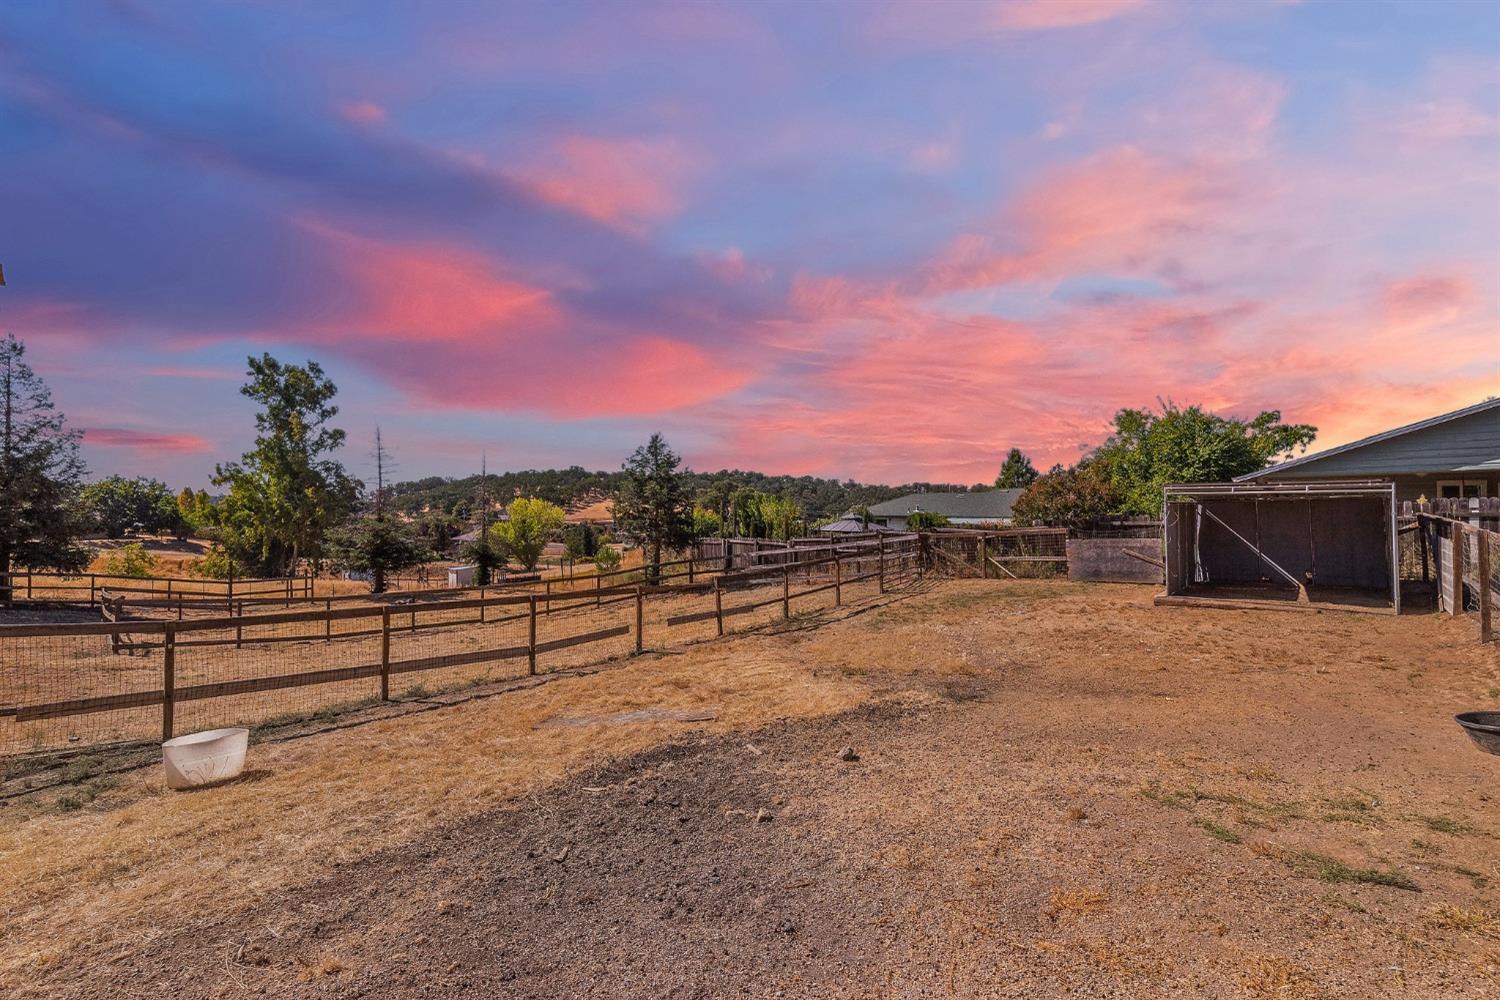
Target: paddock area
(1050,788)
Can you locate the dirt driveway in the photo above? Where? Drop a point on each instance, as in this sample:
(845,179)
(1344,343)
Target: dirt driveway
(1059,791)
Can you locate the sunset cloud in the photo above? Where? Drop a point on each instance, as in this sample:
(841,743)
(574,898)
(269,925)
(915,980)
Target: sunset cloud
(884,243)
(145,441)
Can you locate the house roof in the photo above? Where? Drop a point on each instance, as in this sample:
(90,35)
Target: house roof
(1437,444)
(981,504)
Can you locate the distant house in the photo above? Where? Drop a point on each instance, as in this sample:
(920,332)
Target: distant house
(976,508)
(1451,455)
(849,524)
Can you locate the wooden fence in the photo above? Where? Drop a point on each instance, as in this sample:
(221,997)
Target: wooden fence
(54,672)
(88,587)
(1456,547)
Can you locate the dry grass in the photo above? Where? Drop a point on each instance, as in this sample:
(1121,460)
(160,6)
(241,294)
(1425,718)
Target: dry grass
(1471,920)
(141,859)
(1097,699)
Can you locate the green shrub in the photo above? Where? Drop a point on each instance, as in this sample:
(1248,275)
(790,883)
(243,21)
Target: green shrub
(130,560)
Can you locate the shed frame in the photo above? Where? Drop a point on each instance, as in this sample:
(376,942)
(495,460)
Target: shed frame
(1182,561)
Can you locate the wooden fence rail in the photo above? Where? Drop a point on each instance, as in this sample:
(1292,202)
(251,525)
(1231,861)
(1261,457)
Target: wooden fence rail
(879,560)
(1463,564)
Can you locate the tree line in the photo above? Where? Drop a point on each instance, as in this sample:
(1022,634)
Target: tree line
(289,502)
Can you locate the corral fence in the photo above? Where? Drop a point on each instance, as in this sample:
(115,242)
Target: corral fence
(1005,553)
(1454,546)
(89,587)
(132,680)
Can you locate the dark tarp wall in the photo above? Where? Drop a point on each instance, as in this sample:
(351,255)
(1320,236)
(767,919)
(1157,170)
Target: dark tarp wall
(1326,541)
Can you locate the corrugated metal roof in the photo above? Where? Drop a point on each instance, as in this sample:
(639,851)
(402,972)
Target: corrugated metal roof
(1437,444)
(995,504)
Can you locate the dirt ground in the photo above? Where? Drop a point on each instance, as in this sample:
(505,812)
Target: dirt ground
(1060,790)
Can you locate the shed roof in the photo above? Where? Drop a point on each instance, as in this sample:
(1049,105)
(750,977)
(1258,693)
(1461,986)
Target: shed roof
(984,504)
(1466,440)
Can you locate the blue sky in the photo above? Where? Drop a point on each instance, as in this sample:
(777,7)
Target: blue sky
(883,241)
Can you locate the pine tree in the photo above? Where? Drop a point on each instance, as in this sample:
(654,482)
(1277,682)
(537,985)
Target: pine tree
(41,474)
(375,542)
(1017,472)
(653,505)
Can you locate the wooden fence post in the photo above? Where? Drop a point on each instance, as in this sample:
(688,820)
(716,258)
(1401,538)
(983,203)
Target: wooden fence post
(1422,527)
(1486,628)
(238,627)
(881,542)
(168,678)
(531,637)
(719,604)
(838,580)
(328,621)
(91,590)
(786,592)
(640,618)
(598,585)
(548,610)
(385,654)
(481,607)
(1456,571)
(984,566)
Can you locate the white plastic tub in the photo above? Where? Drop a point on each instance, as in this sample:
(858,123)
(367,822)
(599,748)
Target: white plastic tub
(204,758)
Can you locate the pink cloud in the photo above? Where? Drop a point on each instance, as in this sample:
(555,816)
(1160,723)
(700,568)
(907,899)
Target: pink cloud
(362,112)
(628,183)
(423,291)
(1043,15)
(122,437)
(1115,211)
(1426,299)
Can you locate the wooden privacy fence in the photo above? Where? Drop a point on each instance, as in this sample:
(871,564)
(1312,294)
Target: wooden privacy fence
(1457,549)
(88,587)
(67,684)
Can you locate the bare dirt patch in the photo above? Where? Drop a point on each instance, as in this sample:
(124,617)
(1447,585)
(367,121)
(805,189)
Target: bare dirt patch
(1059,790)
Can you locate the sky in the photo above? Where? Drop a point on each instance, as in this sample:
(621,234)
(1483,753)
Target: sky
(881,241)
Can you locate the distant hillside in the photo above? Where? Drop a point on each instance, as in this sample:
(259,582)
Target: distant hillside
(565,487)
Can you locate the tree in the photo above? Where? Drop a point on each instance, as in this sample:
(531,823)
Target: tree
(376,542)
(653,504)
(581,540)
(925,520)
(287,492)
(1067,496)
(706,523)
(117,505)
(40,475)
(529,526)
(378,546)
(607,558)
(1017,472)
(130,561)
(1148,450)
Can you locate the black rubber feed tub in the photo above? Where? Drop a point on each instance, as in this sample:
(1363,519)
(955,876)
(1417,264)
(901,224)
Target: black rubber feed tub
(1483,728)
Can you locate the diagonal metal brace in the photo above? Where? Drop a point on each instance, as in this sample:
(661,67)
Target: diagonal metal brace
(1302,597)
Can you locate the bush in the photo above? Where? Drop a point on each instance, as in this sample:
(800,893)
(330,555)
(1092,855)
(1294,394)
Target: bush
(607,558)
(218,565)
(130,560)
(925,520)
(1067,497)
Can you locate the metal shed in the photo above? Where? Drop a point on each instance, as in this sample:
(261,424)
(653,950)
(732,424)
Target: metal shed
(1306,545)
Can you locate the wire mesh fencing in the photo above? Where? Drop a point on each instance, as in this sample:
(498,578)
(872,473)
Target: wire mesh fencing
(141,679)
